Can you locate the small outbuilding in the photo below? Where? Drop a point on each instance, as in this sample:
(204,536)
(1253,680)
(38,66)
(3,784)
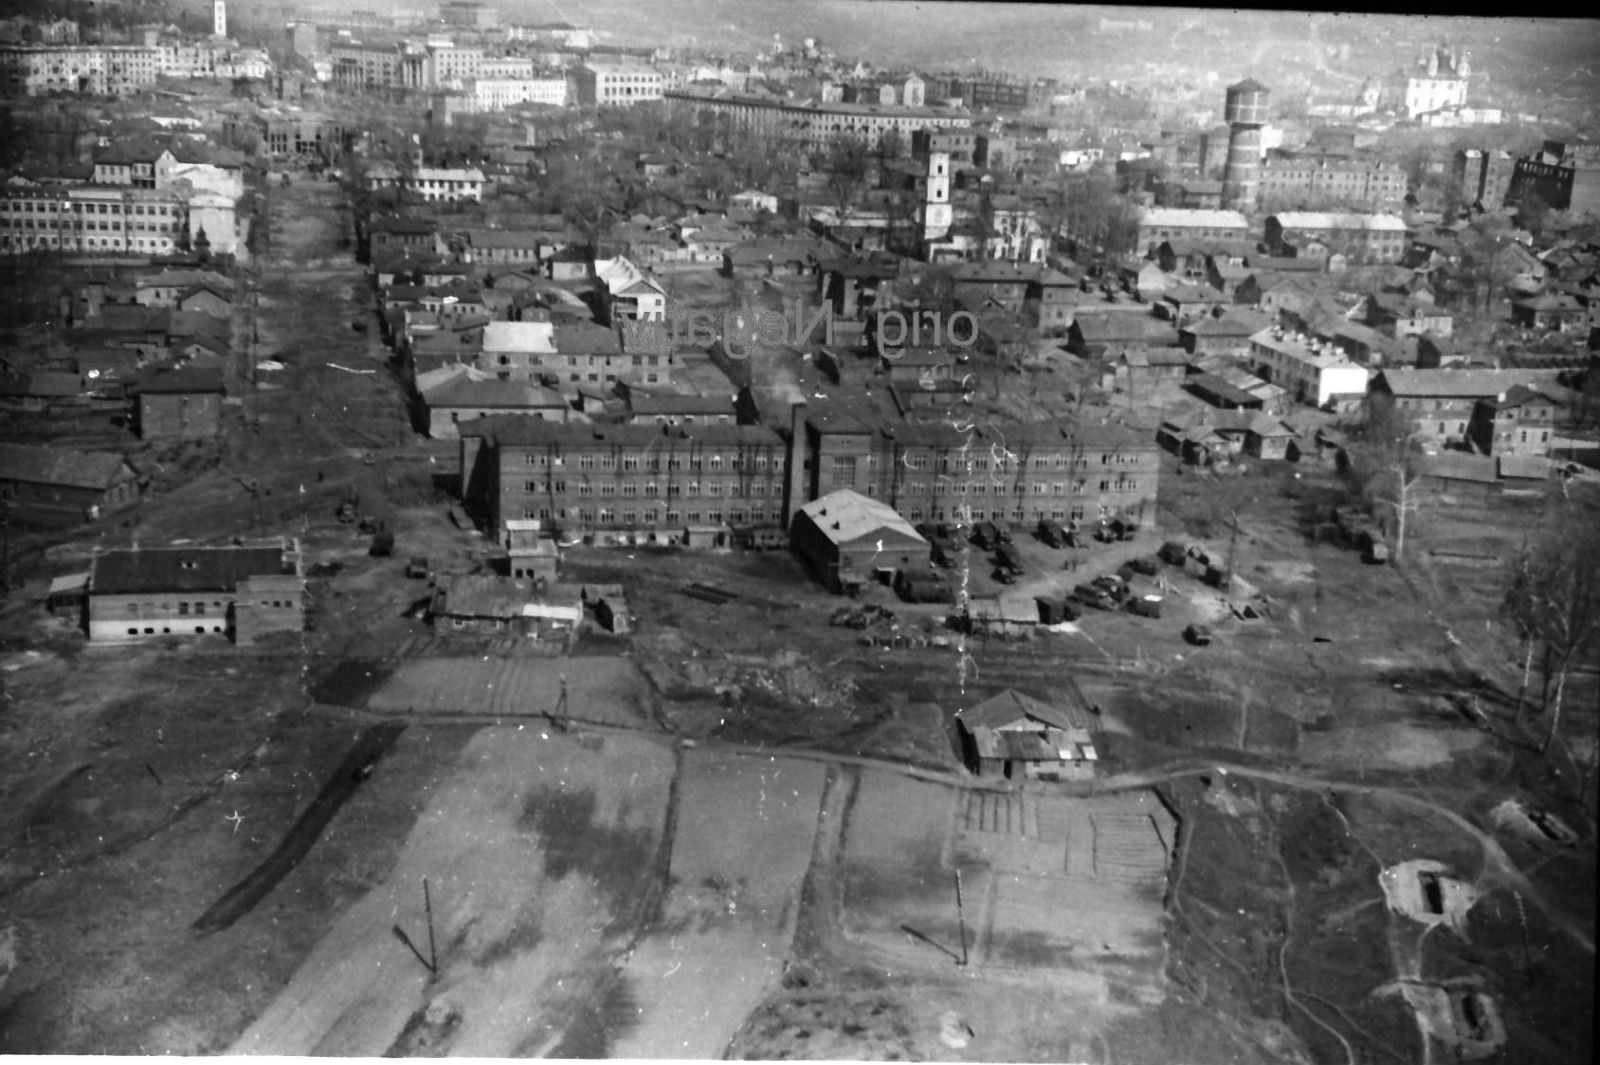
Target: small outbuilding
(1015,736)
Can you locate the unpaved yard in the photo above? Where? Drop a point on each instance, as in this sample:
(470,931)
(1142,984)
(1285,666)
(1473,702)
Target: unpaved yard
(600,689)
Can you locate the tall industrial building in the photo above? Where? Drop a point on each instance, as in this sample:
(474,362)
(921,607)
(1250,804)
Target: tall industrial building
(1245,112)
(219,17)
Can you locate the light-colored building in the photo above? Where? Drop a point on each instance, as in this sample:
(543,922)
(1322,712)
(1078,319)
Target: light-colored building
(113,220)
(619,84)
(1158,224)
(497,94)
(1363,238)
(117,70)
(238,591)
(446,184)
(807,123)
(1312,371)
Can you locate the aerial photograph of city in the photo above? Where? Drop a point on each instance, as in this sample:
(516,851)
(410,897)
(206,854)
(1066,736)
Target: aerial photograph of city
(855,530)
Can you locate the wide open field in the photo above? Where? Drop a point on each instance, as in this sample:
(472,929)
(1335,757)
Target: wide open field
(539,854)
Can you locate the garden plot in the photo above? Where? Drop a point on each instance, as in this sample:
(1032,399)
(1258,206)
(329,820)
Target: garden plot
(1048,883)
(744,834)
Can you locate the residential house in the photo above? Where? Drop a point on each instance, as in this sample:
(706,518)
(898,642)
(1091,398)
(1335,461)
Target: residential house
(1439,403)
(777,257)
(244,592)
(1095,333)
(510,605)
(184,403)
(1056,298)
(1225,334)
(628,293)
(62,481)
(502,246)
(1313,371)
(456,394)
(1402,316)
(1551,311)
(1018,737)
(1518,421)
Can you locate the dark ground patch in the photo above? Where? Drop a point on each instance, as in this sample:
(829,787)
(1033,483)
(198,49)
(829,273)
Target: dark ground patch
(617,859)
(599,1021)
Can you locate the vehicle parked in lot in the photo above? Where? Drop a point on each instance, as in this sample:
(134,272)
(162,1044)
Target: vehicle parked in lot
(1004,575)
(1052,533)
(1113,587)
(1095,596)
(986,535)
(1173,552)
(1198,635)
(417,568)
(1008,557)
(1148,566)
(1146,606)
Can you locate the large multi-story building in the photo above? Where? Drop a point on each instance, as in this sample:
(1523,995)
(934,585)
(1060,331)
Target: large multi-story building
(1364,238)
(35,70)
(623,483)
(113,220)
(1354,181)
(497,94)
(378,66)
(1566,176)
(1484,175)
(506,66)
(1013,473)
(449,65)
(807,124)
(616,84)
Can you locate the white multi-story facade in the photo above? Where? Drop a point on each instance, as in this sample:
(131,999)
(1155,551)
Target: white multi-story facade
(113,220)
(495,94)
(449,65)
(811,124)
(622,84)
(1312,371)
(446,185)
(37,70)
(506,66)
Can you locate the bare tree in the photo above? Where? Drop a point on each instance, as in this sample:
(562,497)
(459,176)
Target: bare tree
(1386,463)
(1554,598)
(847,161)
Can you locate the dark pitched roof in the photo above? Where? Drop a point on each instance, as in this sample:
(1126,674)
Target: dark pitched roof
(170,382)
(61,466)
(185,569)
(1073,711)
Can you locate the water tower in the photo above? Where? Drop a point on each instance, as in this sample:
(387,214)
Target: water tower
(1245,112)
